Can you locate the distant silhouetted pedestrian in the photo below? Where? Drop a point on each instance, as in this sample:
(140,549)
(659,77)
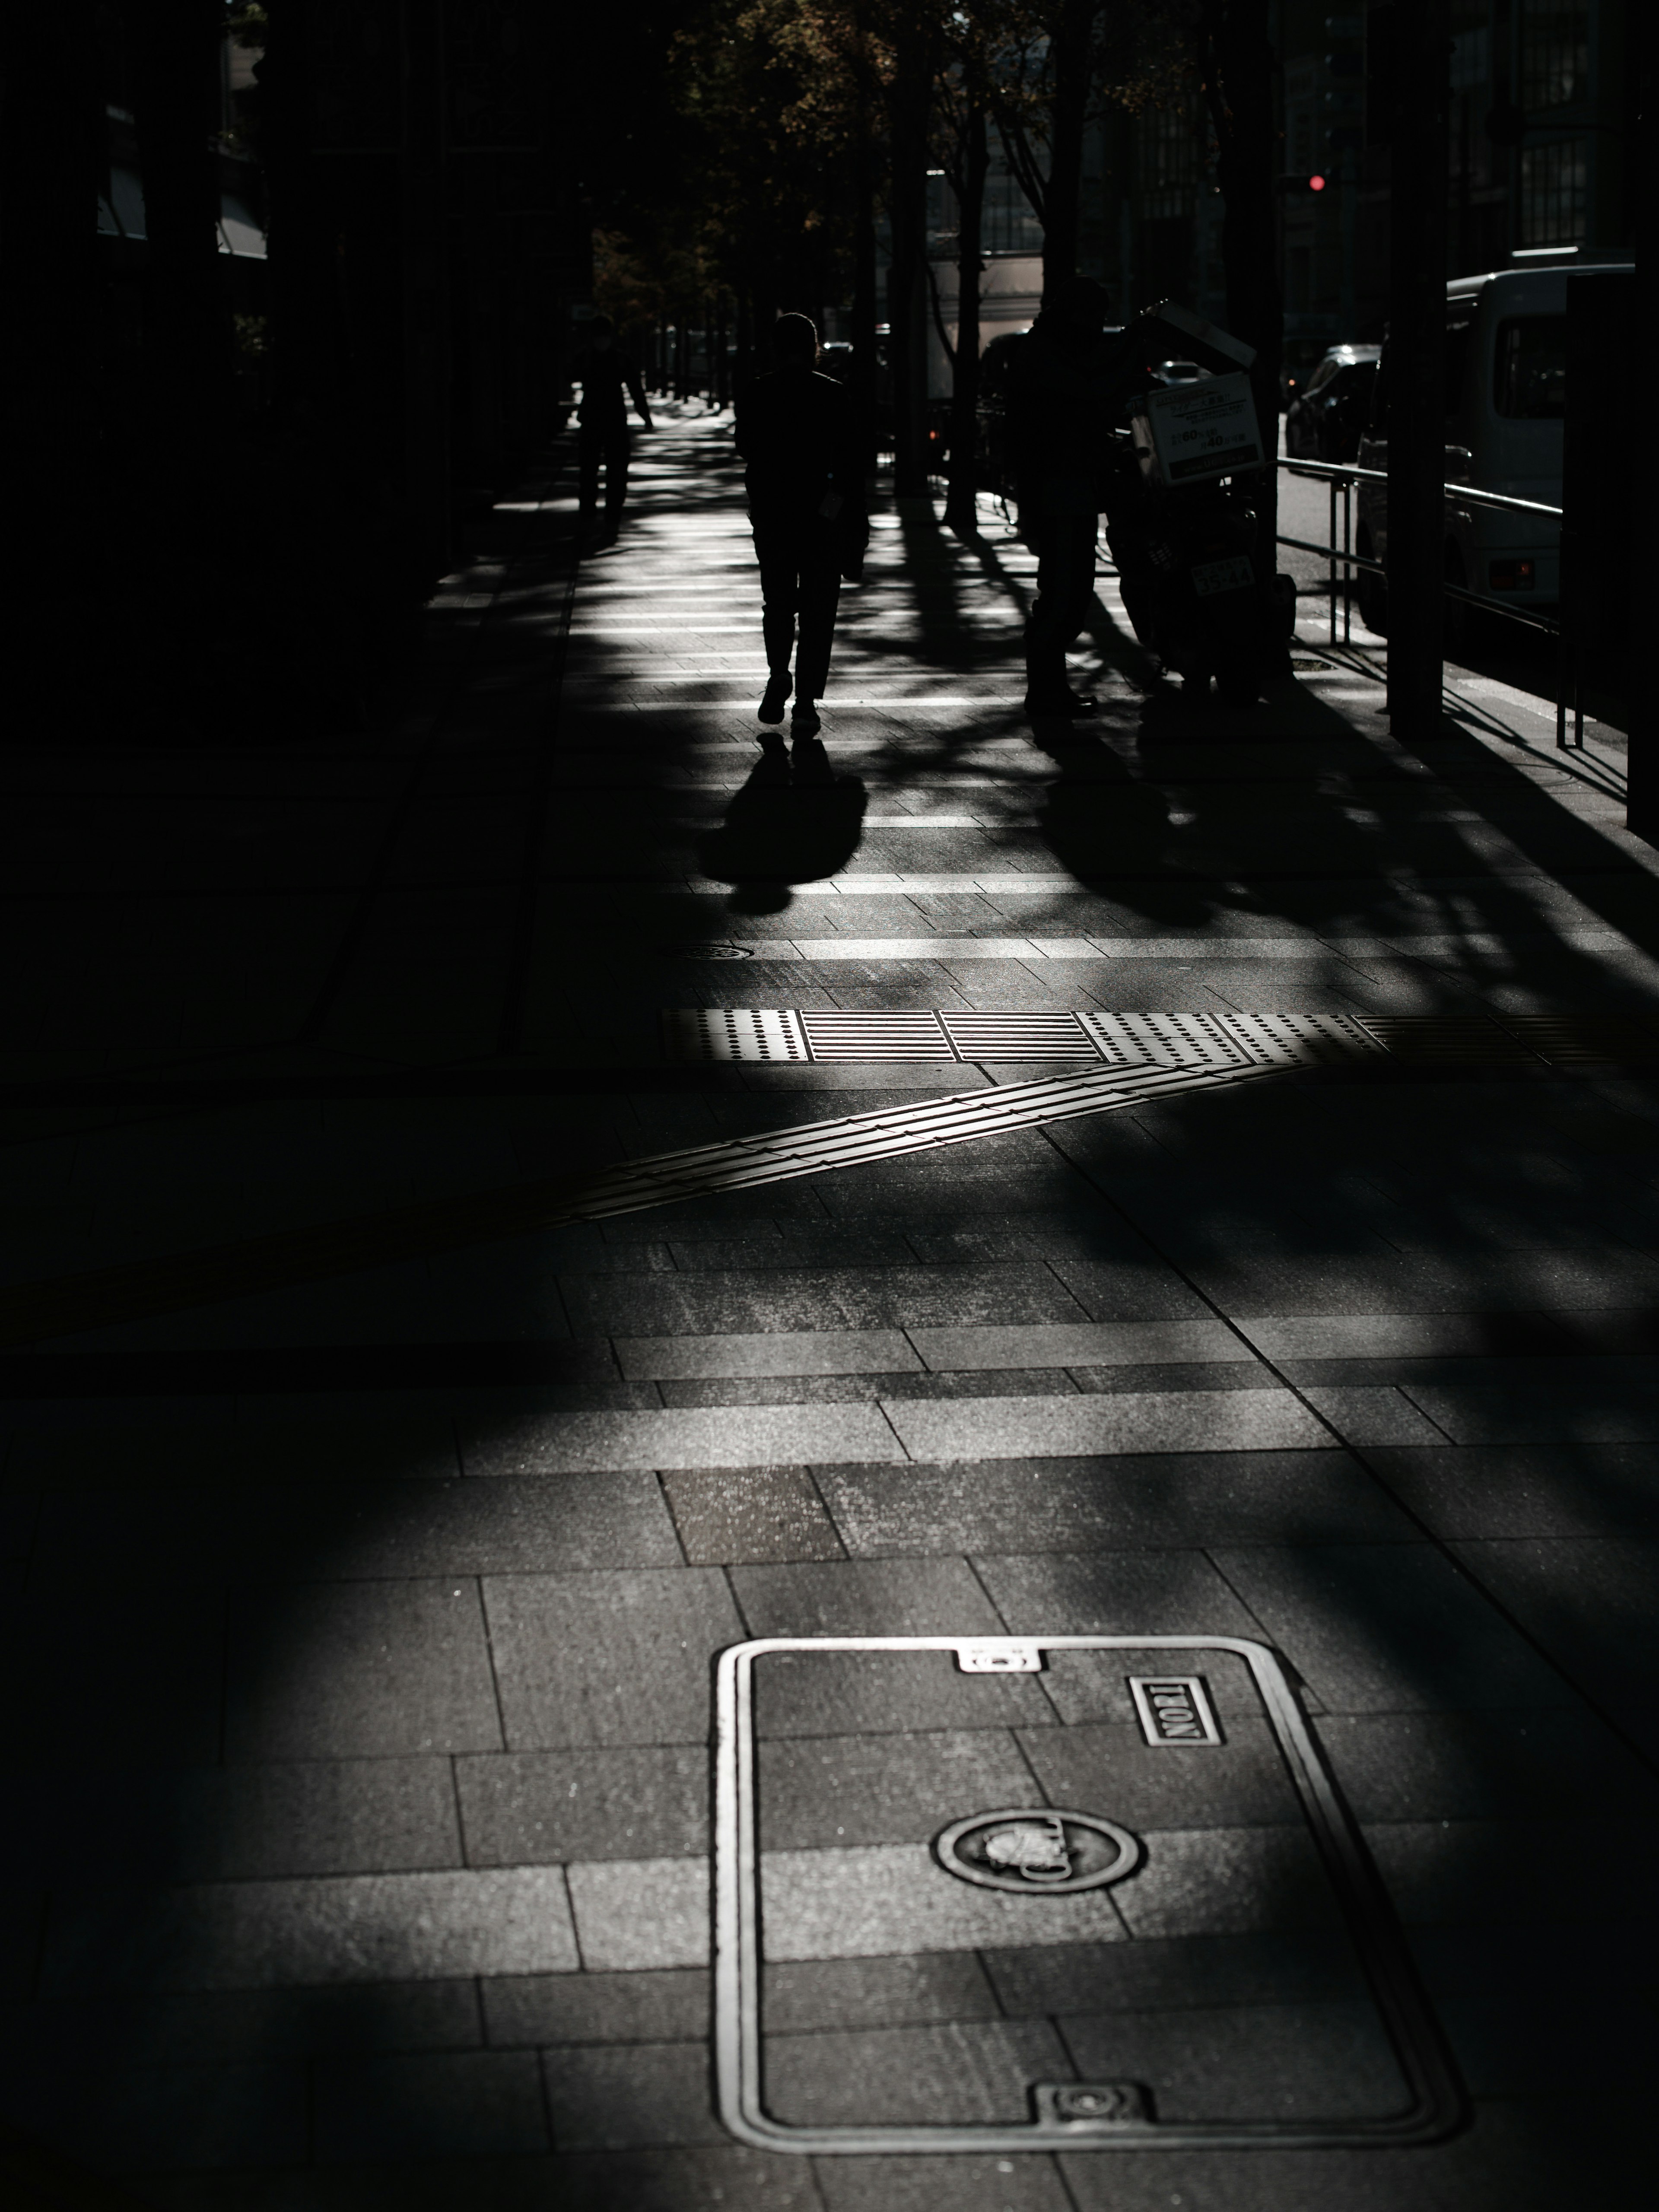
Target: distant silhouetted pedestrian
(797,432)
(1066,382)
(608,381)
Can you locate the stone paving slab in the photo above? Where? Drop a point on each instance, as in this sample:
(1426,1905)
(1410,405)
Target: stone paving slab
(362,1632)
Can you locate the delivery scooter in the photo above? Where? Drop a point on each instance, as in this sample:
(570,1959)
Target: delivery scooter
(1182,499)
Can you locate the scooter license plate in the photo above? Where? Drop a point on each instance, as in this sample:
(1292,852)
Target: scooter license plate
(1233,575)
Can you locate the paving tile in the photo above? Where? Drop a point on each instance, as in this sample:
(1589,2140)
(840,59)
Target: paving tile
(870,1389)
(1527,1490)
(670,2005)
(1203,1882)
(633,1915)
(1368,1416)
(203,1824)
(227,2027)
(1401,1335)
(462,2104)
(824,1351)
(960,2072)
(730,2180)
(1114,1593)
(1187,1420)
(608,1658)
(1080,1344)
(570,1443)
(1589,1602)
(354,1927)
(1186,1375)
(535,1806)
(865,1598)
(1175,1972)
(1517,2156)
(730,1515)
(807,1300)
(1280,2061)
(1485,1766)
(347,1670)
(1390,1627)
(890,1900)
(966,2182)
(1543,1412)
(1096,1503)
(1121,1290)
(815,1994)
(1111,1768)
(629,2099)
(1516,1873)
(863,1789)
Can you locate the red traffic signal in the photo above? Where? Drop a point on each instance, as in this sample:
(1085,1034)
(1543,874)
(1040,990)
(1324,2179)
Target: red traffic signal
(1316,184)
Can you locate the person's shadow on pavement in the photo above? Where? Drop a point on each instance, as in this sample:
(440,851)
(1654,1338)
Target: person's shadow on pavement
(795,821)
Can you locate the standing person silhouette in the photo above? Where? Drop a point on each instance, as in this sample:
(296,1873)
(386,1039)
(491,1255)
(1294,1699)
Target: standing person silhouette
(804,478)
(1065,381)
(608,381)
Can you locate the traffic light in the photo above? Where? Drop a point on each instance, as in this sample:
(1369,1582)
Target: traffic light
(1302,188)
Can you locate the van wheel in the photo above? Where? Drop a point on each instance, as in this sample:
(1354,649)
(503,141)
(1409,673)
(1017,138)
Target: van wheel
(1372,591)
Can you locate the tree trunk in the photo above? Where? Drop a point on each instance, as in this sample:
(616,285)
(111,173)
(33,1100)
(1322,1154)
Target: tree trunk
(1240,92)
(1061,213)
(907,345)
(187,330)
(864,293)
(961,507)
(1419,97)
(52,147)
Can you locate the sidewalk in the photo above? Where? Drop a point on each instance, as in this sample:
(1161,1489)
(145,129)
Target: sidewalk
(380,1491)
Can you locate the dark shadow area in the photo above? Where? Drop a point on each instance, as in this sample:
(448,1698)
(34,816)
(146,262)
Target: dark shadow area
(338,1599)
(795,821)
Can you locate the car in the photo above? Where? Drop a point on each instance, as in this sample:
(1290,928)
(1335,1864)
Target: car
(1506,379)
(1327,418)
(1178,371)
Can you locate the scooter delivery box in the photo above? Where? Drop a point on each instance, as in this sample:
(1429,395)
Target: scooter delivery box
(1190,433)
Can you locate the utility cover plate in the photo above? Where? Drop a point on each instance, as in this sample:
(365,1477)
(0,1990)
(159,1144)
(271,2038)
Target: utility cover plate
(927,1862)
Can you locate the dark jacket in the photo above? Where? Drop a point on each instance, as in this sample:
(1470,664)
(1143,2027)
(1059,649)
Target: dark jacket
(608,381)
(797,432)
(1064,397)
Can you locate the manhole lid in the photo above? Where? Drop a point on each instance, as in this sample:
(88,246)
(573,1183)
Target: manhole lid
(716,949)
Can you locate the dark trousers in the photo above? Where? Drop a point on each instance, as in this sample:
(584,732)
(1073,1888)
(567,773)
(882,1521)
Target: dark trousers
(801,576)
(1066,587)
(607,442)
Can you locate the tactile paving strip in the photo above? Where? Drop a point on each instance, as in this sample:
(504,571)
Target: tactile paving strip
(1193,1043)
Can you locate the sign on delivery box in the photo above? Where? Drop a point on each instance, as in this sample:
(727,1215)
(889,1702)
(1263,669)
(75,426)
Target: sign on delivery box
(1191,433)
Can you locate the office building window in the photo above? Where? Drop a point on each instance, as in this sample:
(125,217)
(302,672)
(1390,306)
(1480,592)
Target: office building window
(1555,193)
(1554,54)
(1166,161)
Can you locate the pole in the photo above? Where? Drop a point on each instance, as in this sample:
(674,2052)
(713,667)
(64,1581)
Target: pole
(1418,93)
(1643,803)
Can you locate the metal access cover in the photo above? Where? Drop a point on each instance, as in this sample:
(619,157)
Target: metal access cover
(986,1837)
(1019,1036)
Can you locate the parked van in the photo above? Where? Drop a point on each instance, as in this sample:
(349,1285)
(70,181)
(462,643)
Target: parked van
(1506,389)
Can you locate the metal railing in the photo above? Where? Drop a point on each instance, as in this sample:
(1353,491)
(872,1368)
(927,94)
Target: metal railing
(1343,477)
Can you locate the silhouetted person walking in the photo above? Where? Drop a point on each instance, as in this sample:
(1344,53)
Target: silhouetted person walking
(1066,382)
(608,381)
(796,430)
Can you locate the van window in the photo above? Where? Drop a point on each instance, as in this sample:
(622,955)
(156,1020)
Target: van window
(1529,368)
(1322,376)
(1458,328)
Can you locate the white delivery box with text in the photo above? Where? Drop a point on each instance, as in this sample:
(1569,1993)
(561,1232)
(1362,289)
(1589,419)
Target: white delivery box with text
(1193,433)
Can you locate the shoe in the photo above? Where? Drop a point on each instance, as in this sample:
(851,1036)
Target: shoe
(804,722)
(777,688)
(1064,706)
